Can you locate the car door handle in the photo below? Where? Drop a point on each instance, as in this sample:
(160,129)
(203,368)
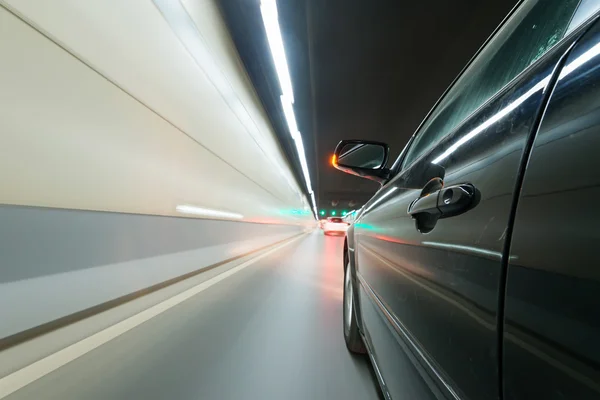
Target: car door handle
(455,200)
(443,203)
(427,204)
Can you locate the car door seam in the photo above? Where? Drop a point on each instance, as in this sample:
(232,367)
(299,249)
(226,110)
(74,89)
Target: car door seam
(525,155)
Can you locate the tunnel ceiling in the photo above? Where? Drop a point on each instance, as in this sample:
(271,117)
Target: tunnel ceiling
(360,70)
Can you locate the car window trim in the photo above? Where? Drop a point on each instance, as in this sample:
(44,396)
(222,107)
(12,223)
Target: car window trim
(568,36)
(397,164)
(585,9)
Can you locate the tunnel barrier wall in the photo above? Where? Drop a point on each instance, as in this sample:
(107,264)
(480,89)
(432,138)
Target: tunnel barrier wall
(111,121)
(58,262)
(129,120)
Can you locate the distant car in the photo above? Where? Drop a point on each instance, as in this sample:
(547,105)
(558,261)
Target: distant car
(335,226)
(474,271)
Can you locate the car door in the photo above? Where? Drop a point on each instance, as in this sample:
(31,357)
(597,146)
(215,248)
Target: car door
(552,315)
(430,284)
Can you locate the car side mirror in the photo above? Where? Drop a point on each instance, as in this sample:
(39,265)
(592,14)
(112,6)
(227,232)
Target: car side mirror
(363,158)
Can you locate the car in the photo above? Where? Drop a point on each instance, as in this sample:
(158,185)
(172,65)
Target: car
(335,226)
(473,272)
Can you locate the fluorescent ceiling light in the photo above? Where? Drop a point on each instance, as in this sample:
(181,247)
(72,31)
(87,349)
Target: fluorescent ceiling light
(207,212)
(288,111)
(268,9)
(300,149)
(270,17)
(290,117)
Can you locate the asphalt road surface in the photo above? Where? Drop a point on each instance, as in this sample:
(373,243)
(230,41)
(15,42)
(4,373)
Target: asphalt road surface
(273,330)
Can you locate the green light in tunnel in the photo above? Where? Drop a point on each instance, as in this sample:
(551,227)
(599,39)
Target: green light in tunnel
(322,212)
(344,212)
(333,212)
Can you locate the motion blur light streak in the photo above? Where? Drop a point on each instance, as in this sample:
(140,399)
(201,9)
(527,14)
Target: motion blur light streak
(497,117)
(392,190)
(314,203)
(329,280)
(207,212)
(468,249)
(579,61)
(390,239)
(268,9)
(290,117)
(300,147)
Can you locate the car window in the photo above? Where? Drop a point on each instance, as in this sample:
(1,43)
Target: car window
(528,34)
(336,220)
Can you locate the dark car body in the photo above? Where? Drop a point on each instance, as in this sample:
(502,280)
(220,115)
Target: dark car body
(497,297)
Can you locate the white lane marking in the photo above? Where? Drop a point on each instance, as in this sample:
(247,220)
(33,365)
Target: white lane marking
(23,377)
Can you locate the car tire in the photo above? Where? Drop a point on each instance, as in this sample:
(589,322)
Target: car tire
(354,341)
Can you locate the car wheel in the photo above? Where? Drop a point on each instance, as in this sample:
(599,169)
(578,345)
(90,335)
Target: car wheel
(352,336)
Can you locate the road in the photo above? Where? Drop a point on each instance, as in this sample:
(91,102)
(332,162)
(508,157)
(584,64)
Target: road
(269,331)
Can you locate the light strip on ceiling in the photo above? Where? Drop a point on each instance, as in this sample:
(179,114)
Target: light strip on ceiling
(268,9)
(288,111)
(207,212)
(270,18)
(312,197)
(290,117)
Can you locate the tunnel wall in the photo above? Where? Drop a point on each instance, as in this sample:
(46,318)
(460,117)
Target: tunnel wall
(58,262)
(108,123)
